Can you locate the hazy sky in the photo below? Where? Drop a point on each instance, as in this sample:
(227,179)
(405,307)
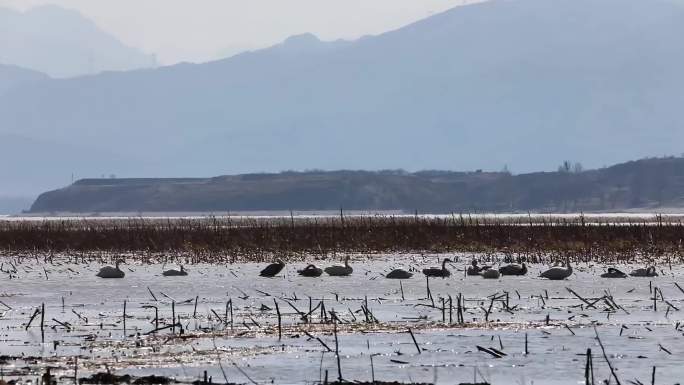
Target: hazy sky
(201,30)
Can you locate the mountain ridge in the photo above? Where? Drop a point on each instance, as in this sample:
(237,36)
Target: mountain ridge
(538,83)
(63,43)
(645,184)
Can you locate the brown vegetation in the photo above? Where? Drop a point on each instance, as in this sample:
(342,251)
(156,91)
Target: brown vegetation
(213,239)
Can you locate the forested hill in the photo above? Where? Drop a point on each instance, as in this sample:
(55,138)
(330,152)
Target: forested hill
(646,184)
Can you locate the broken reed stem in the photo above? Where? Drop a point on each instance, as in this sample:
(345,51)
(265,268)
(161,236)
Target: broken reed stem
(35,314)
(225,315)
(280,330)
(372,370)
(451,308)
(152,294)
(231,313)
(605,356)
(443,310)
(42,322)
(173,316)
(427,286)
(589,369)
(337,354)
(124,319)
(414,340)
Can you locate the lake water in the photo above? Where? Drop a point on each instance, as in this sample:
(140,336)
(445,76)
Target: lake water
(636,337)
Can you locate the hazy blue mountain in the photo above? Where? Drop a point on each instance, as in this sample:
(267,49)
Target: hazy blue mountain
(62,43)
(13,76)
(527,83)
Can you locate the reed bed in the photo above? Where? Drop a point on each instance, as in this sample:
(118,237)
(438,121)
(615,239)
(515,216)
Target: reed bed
(257,239)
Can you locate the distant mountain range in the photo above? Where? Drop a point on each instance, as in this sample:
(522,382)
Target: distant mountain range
(63,43)
(13,76)
(523,83)
(649,184)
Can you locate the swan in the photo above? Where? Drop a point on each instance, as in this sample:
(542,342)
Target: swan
(613,273)
(473,269)
(437,272)
(112,272)
(513,269)
(175,273)
(310,271)
(340,270)
(272,269)
(399,274)
(647,272)
(491,274)
(558,273)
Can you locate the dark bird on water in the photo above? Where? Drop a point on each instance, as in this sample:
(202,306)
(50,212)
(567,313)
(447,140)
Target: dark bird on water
(399,274)
(645,272)
(558,273)
(438,272)
(175,273)
(613,273)
(310,271)
(340,270)
(112,272)
(474,269)
(490,274)
(272,269)
(513,269)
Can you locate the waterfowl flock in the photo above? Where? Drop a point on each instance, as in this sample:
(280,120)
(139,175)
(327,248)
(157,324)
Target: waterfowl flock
(555,273)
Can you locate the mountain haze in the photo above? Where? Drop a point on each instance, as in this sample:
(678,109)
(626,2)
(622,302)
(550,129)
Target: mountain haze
(13,76)
(523,83)
(62,43)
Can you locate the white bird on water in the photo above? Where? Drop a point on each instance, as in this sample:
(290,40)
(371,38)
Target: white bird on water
(340,270)
(112,272)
